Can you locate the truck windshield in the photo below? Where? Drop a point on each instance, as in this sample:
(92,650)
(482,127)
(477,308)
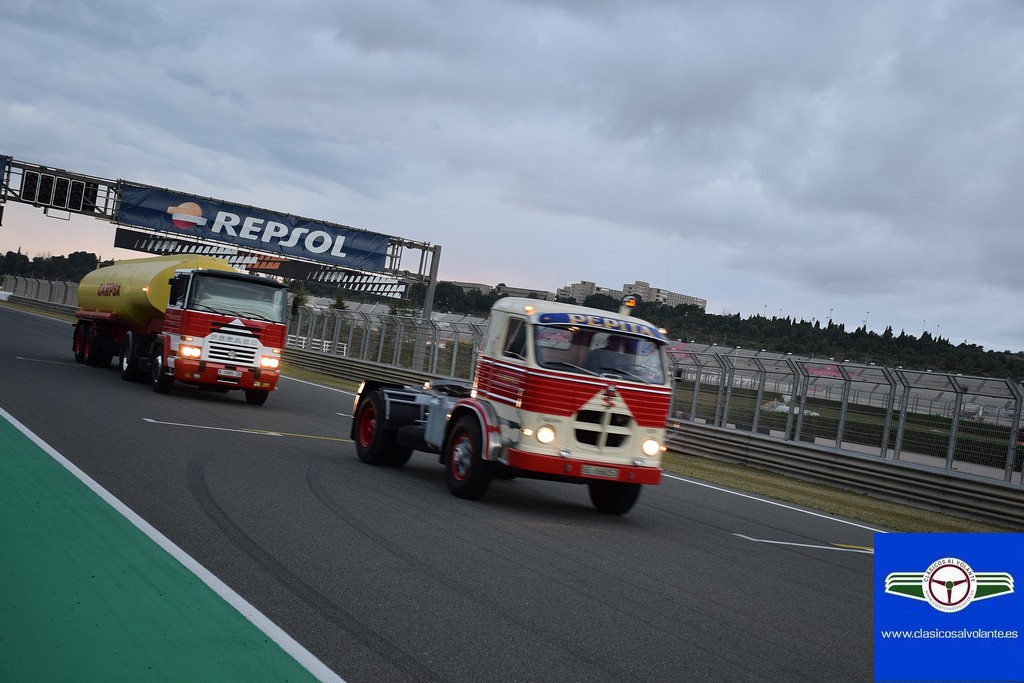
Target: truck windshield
(242,298)
(590,351)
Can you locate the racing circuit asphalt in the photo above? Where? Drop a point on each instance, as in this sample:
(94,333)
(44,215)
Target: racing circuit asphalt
(382,575)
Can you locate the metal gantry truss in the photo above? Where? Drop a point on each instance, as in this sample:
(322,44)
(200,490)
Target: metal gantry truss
(61,194)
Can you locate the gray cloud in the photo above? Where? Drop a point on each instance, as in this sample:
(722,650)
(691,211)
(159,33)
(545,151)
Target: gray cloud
(803,157)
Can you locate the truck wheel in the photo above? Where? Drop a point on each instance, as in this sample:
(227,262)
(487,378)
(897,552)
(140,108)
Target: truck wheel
(612,497)
(95,344)
(89,346)
(160,380)
(129,362)
(469,475)
(374,444)
(256,397)
(78,341)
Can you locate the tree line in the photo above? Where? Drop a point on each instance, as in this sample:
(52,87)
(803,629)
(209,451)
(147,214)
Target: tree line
(688,323)
(825,341)
(684,322)
(70,268)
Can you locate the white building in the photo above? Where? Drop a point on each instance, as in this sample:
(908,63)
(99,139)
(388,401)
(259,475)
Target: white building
(579,291)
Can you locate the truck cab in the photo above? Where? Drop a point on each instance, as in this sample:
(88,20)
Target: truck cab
(560,392)
(223,330)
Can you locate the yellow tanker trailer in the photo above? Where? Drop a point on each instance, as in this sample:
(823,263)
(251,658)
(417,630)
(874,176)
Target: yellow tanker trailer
(192,319)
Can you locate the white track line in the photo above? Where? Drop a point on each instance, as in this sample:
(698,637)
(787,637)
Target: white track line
(772,502)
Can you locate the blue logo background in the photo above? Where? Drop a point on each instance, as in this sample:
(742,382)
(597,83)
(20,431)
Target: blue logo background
(944,658)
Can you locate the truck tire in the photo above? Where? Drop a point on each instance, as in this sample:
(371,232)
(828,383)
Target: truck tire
(161,381)
(104,354)
(94,348)
(78,341)
(374,444)
(469,475)
(256,397)
(613,497)
(129,361)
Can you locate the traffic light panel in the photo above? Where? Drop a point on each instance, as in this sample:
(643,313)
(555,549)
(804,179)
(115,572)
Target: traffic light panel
(76,196)
(89,201)
(60,193)
(29,186)
(45,195)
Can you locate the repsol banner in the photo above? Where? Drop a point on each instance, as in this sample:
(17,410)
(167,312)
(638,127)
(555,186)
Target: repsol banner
(251,228)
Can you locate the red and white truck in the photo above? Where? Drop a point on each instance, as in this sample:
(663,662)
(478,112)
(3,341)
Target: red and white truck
(192,319)
(560,392)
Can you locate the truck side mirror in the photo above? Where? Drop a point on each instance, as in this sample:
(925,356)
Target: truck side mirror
(177,293)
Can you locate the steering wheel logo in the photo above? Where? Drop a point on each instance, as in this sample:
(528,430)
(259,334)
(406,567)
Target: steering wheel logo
(949,584)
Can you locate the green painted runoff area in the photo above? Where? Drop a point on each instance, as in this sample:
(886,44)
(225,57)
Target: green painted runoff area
(86,595)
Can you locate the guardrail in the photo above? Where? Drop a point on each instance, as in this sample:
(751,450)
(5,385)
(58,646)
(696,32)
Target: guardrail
(928,488)
(942,489)
(944,420)
(924,487)
(353,369)
(42,305)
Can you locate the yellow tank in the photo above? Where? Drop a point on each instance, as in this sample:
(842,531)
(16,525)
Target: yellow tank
(136,290)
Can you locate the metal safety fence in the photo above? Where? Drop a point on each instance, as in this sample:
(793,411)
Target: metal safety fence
(61,293)
(947,421)
(960,424)
(440,348)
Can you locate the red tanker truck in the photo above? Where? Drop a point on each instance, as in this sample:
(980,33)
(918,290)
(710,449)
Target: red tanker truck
(192,319)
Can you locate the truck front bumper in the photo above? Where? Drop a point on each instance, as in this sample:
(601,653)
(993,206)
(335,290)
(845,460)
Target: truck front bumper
(573,468)
(204,372)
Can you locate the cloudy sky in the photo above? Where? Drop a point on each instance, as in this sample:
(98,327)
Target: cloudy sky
(859,160)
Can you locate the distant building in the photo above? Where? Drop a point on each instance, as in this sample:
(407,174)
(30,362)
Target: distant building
(662,296)
(527,293)
(506,290)
(478,286)
(579,291)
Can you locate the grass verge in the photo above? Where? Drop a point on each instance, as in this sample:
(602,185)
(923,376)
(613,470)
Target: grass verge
(295,372)
(38,311)
(840,502)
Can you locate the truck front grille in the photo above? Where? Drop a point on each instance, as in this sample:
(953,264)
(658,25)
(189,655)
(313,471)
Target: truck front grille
(232,353)
(233,344)
(603,428)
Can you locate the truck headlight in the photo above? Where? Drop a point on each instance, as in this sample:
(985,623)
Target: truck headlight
(270,362)
(187,351)
(650,447)
(546,434)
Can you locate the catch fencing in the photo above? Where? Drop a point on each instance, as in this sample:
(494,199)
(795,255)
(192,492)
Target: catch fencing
(939,420)
(444,348)
(58,293)
(953,422)
(943,421)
